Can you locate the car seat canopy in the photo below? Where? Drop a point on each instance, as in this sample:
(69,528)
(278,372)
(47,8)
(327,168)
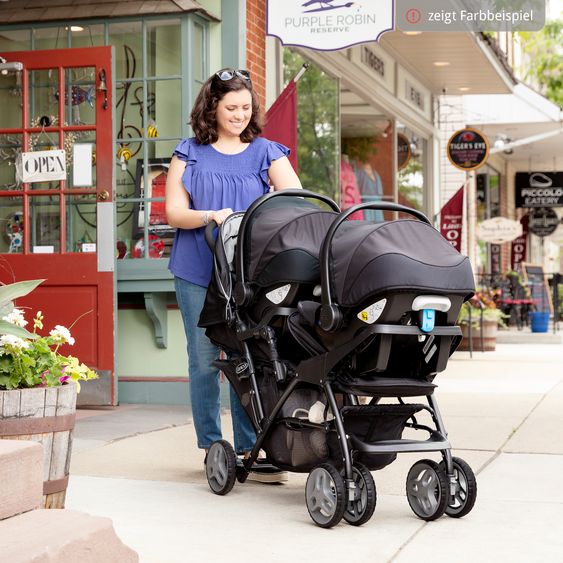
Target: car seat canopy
(373,258)
(283,245)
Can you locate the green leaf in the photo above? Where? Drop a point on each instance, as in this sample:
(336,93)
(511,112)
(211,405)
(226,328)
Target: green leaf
(14,330)
(14,290)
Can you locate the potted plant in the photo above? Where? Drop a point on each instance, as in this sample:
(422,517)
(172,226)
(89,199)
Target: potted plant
(484,317)
(38,387)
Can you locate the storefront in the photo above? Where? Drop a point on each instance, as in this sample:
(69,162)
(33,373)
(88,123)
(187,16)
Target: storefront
(365,126)
(114,94)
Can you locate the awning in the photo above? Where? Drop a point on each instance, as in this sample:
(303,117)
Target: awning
(476,64)
(34,11)
(525,117)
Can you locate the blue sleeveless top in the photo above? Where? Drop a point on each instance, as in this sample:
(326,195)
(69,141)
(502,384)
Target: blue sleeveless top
(214,181)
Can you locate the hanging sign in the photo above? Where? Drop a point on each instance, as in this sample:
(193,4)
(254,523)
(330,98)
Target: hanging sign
(468,149)
(328,25)
(499,230)
(41,166)
(543,221)
(518,246)
(451,220)
(403,151)
(539,189)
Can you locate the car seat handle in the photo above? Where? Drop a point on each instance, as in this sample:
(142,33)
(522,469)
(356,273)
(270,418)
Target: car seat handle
(326,295)
(290,192)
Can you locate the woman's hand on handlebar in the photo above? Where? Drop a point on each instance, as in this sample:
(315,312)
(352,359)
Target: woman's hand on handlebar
(220,216)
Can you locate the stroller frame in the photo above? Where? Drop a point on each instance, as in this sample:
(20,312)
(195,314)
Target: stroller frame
(317,370)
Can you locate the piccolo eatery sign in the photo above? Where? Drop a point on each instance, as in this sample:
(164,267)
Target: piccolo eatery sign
(539,189)
(328,25)
(468,149)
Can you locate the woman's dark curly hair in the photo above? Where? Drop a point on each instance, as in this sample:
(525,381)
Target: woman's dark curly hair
(203,120)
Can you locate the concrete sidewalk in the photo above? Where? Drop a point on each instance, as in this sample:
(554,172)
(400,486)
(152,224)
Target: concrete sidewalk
(504,413)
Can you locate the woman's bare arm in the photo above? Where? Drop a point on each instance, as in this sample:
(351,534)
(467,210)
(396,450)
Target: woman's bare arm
(282,175)
(178,209)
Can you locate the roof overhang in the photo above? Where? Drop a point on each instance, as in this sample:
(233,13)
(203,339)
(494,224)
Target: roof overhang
(527,119)
(32,11)
(476,65)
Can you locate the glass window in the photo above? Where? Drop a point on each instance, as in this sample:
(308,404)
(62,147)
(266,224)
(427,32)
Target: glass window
(318,126)
(11,225)
(366,168)
(81,223)
(11,100)
(17,40)
(163,47)
(127,39)
(411,177)
(198,45)
(87,35)
(10,146)
(51,38)
(45,223)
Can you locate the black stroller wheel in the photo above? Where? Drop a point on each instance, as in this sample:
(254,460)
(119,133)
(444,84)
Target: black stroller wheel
(360,510)
(427,490)
(325,495)
(466,489)
(221,467)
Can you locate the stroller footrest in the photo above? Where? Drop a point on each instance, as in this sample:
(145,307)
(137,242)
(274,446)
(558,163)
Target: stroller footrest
(436,442)
(384,386)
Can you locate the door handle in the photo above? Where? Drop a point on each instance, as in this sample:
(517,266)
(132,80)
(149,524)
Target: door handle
(103,195)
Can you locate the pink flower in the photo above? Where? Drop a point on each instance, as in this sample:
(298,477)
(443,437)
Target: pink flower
(64,378)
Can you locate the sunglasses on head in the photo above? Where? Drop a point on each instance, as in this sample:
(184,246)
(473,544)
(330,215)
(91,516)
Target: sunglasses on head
(229,74)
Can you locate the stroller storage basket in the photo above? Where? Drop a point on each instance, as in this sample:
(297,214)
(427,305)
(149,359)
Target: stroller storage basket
(374,423)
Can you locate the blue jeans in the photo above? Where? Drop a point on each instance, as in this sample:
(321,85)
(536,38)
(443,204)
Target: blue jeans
(205,387)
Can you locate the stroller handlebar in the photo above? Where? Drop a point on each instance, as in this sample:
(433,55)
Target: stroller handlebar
(209,239)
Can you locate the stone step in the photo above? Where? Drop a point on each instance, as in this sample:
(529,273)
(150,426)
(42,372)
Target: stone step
(64,536)
(21,482)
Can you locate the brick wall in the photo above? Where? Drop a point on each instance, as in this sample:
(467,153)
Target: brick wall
(256,46)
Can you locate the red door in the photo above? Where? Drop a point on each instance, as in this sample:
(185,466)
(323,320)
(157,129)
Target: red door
(62,229)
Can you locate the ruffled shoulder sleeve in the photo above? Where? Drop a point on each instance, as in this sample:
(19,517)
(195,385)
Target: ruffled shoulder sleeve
(273,152)
(186,151)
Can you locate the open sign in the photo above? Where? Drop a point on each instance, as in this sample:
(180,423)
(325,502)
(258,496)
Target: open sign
(41,166)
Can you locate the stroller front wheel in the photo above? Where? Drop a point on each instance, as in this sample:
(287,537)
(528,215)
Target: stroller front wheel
(221,467)
(360,510)
(427,490)
(466,489)
(325,495)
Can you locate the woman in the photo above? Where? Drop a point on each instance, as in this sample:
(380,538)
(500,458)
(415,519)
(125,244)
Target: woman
(222,169)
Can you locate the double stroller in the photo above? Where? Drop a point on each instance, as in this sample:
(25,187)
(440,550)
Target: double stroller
(327,326)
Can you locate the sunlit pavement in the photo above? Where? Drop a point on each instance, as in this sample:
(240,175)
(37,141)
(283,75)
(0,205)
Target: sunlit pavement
(504,413)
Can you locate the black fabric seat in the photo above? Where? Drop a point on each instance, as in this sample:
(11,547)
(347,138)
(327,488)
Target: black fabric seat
(384,386)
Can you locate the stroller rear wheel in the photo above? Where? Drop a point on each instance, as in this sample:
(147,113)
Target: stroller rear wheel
(466,489)
(325,495)
(360,510)
(427,490)
(221,467)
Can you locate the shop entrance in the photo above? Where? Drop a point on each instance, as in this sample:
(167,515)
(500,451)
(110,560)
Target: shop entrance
(56,212)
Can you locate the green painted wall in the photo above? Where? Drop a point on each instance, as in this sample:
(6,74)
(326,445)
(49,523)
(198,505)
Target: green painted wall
(138,354)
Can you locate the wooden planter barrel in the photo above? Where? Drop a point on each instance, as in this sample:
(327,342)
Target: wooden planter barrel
(487,344)
(45,415)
